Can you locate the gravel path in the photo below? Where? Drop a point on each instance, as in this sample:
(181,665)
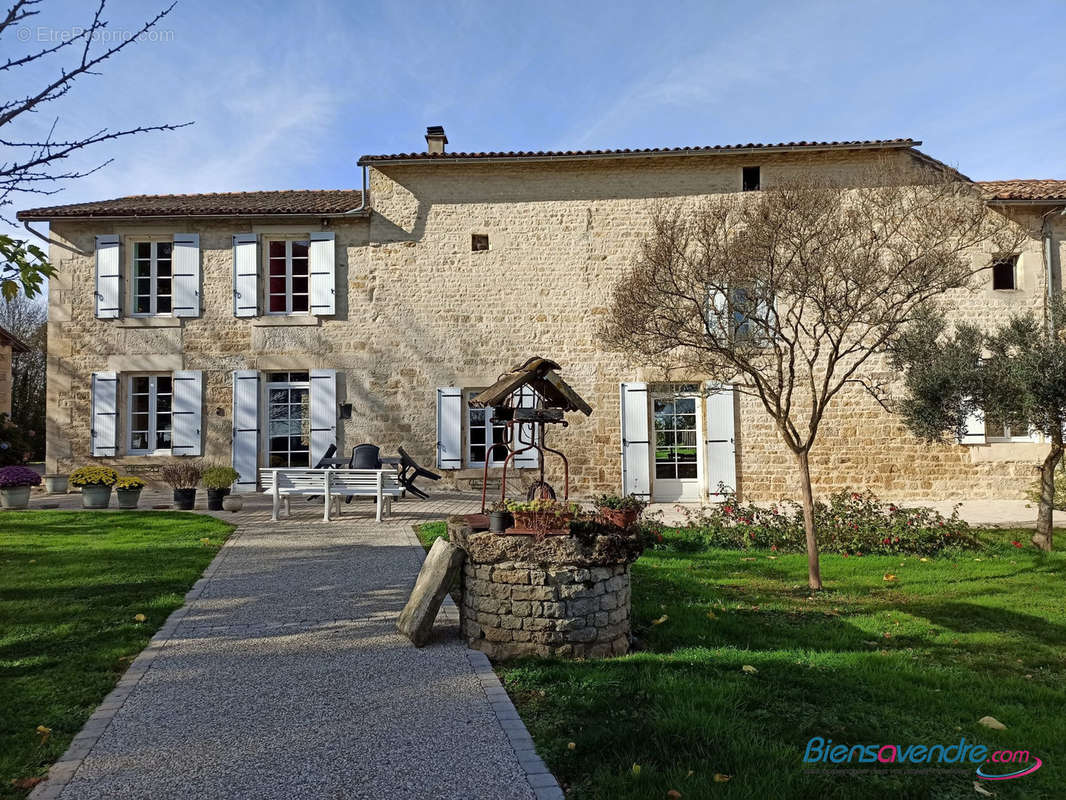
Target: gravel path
(284,677)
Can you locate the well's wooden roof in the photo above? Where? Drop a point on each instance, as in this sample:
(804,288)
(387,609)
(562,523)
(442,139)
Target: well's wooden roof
(541,375)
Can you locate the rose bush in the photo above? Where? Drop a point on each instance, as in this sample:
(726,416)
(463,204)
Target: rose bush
(851,523)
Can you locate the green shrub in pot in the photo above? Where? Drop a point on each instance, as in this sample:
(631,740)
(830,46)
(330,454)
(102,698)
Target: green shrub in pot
(217,479)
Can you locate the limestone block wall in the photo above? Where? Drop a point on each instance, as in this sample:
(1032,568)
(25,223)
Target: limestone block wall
(418,309)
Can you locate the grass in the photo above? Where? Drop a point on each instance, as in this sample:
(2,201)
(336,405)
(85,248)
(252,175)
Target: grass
(430,532)
(73,584)
(917,660)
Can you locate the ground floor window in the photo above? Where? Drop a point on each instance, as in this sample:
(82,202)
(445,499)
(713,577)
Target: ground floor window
(150,418)
(484,437)
(288,419)
(674,417)
(996,430)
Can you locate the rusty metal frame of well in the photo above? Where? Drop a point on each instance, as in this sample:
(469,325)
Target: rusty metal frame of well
(552,396)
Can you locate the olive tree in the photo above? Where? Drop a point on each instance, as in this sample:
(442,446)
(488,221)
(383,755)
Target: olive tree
(1014,375)
(789,292)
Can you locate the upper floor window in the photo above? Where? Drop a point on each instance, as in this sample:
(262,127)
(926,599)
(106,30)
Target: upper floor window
(288,276)
(750,179)
(152,284)
(1005,273)
(150,414)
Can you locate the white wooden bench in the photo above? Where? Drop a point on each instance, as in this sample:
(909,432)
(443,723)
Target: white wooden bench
(333,485)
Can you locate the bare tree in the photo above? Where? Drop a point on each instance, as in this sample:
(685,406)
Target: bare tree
(27,320)
(789,293)
(37,165)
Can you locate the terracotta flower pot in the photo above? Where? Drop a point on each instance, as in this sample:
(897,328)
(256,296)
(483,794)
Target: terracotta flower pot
(15,497)
(619,518)
(95,495)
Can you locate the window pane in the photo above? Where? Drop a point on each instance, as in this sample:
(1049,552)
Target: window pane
(140,384)
(477,454)
(162,286)
(277,250)
(477,436)
(143,286)
(299,249)
(685,405)
(142,269)
(144,305)
(163,305)
(277,286)
(279,443)
(499,453)
(300,459)
(299,284)
(162,250)
(162,404)
(299,302)
(277,303)
(277,266)
(163,441)
(665,471)
(686,470)
(139,421)
(162,384)
(143,250)
(162,422)
(162,268)
(139,441)
(298,377)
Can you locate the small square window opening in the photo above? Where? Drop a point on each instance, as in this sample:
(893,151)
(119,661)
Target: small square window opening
(751,179)
(1004,273)
(479,242)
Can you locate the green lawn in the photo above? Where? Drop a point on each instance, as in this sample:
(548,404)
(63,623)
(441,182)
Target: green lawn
(917,660)
(72,586)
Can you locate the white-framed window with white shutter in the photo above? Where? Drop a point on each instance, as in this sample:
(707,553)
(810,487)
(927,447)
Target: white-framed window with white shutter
(149,414)
(486,438)
(288,276)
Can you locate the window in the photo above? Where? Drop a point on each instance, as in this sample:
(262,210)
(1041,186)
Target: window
(1004,273)
(152,284)
(675,437)
(484,436)
(287,276)
(289,419)
(996,430)
(479,242)
(750,179)
(150,417)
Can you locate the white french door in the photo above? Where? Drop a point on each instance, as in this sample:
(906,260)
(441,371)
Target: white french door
(677,456)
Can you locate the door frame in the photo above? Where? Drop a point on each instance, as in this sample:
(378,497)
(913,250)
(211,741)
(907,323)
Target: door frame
(700,480)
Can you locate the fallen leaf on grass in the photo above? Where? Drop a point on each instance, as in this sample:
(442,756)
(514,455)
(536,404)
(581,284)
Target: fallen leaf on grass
(747,559)
(43,732)
(571,746)
(636,769)
(721,778)
(993,723)
(711,615)
(889,577)
(748,668)
(26,783)
(660,620)
(981,790)
(139,617)
(923,559)
(674,794)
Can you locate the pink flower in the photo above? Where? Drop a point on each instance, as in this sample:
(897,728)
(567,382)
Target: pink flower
(1016,543)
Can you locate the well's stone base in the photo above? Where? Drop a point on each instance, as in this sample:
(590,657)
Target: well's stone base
(557,597)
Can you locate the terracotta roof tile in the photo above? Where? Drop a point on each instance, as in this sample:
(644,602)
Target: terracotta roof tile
(302,201)
(718,148)
(1032,189)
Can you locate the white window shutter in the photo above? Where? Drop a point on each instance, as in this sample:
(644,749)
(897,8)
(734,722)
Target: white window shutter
(720,455)
(188,402)
(636,450)
(322,266)
(530,459)
(973,429)
(323,412)
(717,313)
(105,414)
(186,275)
(246,429)
(108,278)
(449,427)
(246,275)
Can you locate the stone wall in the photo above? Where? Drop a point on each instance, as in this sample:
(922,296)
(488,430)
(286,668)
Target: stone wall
(559,596)
(417,309)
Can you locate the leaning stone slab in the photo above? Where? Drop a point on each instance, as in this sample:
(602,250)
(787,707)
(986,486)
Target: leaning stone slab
(439,571)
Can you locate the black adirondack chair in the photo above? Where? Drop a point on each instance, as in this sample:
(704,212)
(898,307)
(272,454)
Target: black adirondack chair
(321,465)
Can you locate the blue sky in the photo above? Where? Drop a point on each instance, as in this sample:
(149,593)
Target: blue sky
(288,95)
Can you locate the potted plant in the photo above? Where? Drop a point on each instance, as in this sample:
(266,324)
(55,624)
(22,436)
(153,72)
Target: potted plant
(128,491)
(543,516)
(182,476)
(15,483)
(621,512)
(217,479)
(55,483)
(95,484)
(500,518)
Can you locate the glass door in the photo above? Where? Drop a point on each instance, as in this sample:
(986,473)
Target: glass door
(288,419)
(675,421)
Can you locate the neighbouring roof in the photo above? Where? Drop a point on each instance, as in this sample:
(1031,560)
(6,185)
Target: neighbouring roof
(1032,190)
(549,155)
(309,202)
(11,340)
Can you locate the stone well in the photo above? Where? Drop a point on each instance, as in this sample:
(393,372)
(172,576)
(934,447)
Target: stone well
(559,596)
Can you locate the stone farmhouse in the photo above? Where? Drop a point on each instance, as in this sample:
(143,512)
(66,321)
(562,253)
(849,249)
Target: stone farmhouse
(259,328)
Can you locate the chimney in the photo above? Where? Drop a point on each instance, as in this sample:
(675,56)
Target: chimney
(435,139)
